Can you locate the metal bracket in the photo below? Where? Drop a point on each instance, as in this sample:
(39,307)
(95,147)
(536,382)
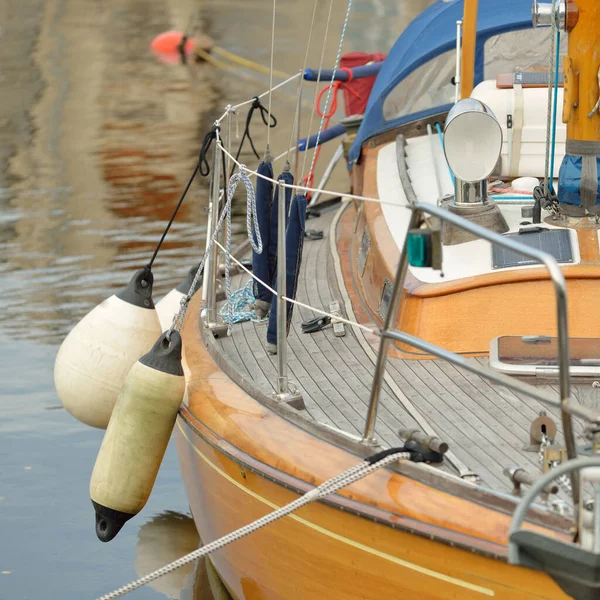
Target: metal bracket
(471,477)
(540,426)
(339,329)
(553,454)
(292,398)
(219,330)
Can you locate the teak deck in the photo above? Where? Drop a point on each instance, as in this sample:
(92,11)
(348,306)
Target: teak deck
(486,425)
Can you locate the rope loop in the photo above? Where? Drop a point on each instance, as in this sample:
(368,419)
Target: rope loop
(253,230)
(251,212)
(203,165)
(334,86)
(264,113)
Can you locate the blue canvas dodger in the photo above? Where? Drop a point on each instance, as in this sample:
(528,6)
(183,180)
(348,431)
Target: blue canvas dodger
(431,34)
(264,201)
(294,240)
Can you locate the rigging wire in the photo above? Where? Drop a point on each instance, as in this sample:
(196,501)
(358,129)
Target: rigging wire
(260,96)
(318,79)
(271,78)
(331,85)
(300,85)
(548,177)
(553,142)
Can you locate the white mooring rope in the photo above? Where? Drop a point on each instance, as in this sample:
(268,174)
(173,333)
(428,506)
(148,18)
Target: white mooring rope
(328,487)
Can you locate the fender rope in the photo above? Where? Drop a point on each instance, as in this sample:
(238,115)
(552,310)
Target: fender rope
(253,236)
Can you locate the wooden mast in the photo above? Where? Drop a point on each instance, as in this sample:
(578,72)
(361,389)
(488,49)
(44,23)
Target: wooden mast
(579,172)
(583,63)
(469,40)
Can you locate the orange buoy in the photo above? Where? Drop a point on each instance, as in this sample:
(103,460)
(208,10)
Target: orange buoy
(169,41)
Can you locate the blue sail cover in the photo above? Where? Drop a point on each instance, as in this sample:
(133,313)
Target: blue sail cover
(432,33)
(288,178)
(264,200)
(294,242)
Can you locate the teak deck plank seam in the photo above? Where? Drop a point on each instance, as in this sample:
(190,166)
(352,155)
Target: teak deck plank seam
(485,424)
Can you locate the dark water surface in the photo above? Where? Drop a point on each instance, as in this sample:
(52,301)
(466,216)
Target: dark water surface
(97,139)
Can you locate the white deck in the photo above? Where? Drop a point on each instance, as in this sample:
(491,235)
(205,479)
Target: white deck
(460,260)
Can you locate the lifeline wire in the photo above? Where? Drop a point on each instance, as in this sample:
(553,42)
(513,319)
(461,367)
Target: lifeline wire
(293,301)
(351,475)
(306,188)
(328,97)
(246,102)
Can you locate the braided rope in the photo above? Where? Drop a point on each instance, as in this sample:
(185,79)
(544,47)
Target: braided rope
(328,487)
(241,300)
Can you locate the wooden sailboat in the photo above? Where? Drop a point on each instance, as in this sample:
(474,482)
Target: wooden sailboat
(459,343)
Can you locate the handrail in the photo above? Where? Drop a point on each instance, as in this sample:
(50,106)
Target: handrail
(537,487)
(558,280)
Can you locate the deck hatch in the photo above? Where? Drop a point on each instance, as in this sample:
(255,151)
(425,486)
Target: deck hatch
(556,242)
(538,355)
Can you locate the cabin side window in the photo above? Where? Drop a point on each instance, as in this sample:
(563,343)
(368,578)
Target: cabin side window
(521,50)
(428,86)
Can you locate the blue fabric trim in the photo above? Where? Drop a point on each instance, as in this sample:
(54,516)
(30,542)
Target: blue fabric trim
(294,241)
(264,200)
(569,180)
(408,119)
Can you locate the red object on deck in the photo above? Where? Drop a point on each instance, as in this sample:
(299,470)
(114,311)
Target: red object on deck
(356,94)
(356,91)
(168,42)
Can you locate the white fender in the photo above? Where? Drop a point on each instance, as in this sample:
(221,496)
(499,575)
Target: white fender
(137,436)
(93,361)
(169,306)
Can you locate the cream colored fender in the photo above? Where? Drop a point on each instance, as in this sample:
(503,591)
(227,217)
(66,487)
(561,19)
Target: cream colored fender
(93,361)
(169,306)
(137,436)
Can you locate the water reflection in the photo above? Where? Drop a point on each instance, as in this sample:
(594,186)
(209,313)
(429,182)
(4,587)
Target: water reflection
(97,139)
(165,538)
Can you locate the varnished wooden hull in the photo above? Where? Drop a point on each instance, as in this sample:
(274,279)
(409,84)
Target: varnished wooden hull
(388,536)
